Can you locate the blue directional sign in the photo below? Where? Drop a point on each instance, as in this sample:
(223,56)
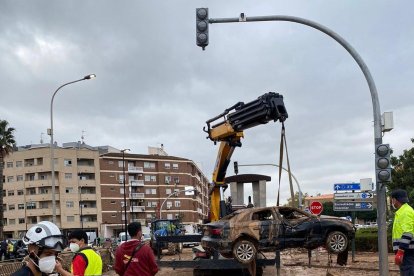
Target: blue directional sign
(353,206)
(347,186)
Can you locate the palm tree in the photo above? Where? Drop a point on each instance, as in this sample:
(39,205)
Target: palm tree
(7,144)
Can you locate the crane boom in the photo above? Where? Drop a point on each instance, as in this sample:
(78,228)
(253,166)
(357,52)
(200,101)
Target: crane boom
(227,128)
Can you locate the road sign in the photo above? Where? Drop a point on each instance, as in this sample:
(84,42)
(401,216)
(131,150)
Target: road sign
(366,184)
(347,186)
(316,208)
(352,206)
(347,196)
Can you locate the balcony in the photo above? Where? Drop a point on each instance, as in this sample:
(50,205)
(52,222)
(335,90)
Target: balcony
(137,209)
(132,169)
(136,183)
(136,195)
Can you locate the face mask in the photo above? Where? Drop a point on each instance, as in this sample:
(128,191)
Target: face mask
(74,247)
(47,264)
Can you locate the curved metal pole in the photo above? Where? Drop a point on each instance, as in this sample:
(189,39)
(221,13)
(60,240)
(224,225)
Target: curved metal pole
(381,189)
(294,177)
(52,154)
(174,193)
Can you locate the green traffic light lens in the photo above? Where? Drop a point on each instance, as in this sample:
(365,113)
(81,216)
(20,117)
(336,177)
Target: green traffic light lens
(202,38)
(384,175)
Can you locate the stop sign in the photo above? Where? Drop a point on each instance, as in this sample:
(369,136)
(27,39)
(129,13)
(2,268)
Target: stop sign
(316,208)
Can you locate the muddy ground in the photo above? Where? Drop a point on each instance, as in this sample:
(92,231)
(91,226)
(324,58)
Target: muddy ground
(294,262)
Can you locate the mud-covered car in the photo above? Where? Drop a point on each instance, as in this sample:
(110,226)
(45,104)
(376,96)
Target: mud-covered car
(244,232)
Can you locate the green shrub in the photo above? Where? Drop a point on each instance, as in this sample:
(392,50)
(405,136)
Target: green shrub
(366,239)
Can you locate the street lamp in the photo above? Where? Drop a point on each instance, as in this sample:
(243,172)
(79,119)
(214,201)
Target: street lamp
(274,165)
(125,208)
(175,193)
(50,132)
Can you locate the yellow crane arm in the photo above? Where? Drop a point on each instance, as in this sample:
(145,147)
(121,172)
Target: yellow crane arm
(229,132)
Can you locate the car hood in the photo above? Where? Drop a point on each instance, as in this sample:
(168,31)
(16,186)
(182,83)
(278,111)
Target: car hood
(335,219)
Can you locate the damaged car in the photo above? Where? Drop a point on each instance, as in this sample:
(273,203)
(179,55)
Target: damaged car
(245,232)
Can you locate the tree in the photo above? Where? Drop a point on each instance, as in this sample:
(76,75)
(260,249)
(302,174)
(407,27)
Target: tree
(403,172)
(296,200)
(7,145)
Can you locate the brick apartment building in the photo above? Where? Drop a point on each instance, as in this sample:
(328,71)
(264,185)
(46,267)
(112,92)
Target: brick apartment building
(90,190)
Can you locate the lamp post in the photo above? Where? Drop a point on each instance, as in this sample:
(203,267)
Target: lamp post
(123,180)
(297,182)
(50,132)
(175,193)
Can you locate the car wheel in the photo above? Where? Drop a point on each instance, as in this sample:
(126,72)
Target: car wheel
(336,242)
(244,251)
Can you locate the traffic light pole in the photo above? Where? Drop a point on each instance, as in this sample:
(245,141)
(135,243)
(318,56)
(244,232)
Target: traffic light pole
(380,188)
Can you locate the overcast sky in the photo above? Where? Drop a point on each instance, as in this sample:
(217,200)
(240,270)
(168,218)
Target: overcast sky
(155,86)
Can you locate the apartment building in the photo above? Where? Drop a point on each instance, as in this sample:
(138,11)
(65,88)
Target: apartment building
(154,187)
(89,188)
(27,190)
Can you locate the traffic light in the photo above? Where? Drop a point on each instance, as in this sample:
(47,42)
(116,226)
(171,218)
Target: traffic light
(383,162)
(202,27)
(236,167)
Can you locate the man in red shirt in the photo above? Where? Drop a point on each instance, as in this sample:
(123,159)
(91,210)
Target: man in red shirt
(133,257)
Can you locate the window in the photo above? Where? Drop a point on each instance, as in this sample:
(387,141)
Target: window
(20,178)
(149,216)
(110,162)
(69,204)
(30,205)
(154,191)
(30,176)
(152,178)
(12,221)
(176,180)
(20,206)
(169,216)
(42,176)
(167,191)
(112,189)
(120,164)
(69,190)
(149,204)
(20,192)
(167,165)
(39,161)
(11,207)
(113,202)
(154,204)
(70,218)
(149,165)
(68,176)
(10,193)
(10,179)
(31,191)
(21,220)
(43,205)
(43,190)
(177,203)
(169,204)
(147,191)
(167,179)
(9,164)
(175,166)
(67,162)
(19,164)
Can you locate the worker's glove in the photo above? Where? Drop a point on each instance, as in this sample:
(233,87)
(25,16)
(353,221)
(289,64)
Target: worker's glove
(399,257)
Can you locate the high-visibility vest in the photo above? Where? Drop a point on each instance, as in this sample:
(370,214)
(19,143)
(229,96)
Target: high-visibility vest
(93,261)
(403,228)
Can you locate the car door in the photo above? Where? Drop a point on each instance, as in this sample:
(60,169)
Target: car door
(265,223)
(297,227)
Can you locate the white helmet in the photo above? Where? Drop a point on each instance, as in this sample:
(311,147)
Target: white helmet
(45,234)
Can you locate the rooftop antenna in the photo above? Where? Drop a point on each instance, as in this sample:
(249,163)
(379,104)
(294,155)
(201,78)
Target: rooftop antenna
(41,138)
(83,137)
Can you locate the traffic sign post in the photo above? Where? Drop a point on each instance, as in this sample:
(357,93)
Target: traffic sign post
(316,208)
